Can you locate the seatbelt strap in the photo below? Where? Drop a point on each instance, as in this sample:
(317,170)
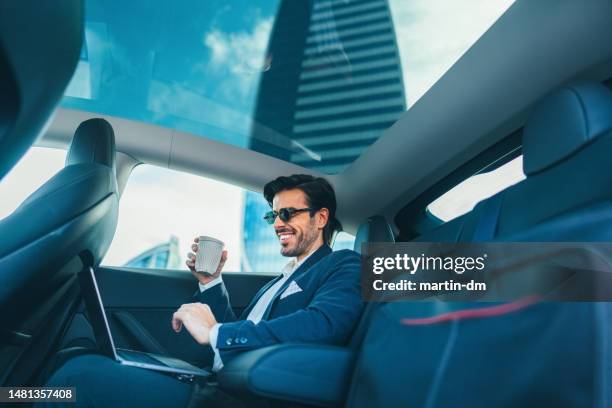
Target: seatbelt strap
(486,226)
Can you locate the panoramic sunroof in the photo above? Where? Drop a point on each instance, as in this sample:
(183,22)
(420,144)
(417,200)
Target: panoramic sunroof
(311,82)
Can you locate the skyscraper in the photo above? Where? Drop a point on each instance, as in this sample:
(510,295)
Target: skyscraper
(162,256)
(333,85)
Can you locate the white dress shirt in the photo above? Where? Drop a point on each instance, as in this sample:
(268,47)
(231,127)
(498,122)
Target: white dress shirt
(256,314)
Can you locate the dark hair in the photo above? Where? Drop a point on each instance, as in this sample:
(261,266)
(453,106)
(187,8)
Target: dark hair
(319,194)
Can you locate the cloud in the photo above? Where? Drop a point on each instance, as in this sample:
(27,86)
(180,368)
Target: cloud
(433,34)
(174,99)
(240,54)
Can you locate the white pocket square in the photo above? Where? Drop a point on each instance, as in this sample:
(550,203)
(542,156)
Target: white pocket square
(291,289)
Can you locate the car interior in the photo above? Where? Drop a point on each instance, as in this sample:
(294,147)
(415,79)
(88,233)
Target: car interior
(536,85)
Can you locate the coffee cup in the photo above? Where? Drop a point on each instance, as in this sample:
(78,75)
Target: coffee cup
(209,255)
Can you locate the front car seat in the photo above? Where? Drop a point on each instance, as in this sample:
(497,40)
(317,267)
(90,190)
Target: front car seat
(65,225)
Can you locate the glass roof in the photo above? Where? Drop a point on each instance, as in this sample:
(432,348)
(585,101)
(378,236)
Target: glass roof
(312,82)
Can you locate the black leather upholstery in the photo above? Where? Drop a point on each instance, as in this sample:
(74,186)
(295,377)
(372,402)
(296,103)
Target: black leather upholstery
(562,184)
(81,186)
(567,196)
(65,224)
(563,122)
(374,229)
(39,49)
(566,152)
(94,142)
(305,373)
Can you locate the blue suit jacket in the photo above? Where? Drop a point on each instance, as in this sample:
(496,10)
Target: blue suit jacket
(325,311)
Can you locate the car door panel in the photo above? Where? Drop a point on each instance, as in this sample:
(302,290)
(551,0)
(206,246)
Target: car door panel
(140,302)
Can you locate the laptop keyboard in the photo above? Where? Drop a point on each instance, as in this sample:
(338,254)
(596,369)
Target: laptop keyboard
(175,362)
(138,357)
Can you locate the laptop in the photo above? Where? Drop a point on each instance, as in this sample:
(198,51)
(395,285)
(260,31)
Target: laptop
(95,308)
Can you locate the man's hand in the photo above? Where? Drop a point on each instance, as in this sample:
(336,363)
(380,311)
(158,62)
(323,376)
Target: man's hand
(197,318)
(191,258)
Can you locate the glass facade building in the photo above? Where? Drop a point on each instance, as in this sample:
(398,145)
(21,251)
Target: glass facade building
(332,84)
(162,256)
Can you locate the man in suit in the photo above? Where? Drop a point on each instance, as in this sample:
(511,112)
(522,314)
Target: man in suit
(316,299)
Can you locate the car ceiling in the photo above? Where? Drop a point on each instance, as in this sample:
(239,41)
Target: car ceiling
(533,48)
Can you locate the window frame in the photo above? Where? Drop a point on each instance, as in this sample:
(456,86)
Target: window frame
(415,219)
(125,170)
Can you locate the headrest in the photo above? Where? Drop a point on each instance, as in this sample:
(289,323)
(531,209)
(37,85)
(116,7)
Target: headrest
(93,142)
(40,44)
(563,122)
(374,229)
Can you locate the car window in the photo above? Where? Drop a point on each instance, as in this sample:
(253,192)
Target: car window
(463,197)
(37,166)
(328,77)
(344,240)
(162,210)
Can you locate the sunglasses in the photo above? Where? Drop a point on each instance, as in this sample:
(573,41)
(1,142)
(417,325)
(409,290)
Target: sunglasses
(285,214)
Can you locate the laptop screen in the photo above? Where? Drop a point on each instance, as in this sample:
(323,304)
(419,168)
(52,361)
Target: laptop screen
(95,309)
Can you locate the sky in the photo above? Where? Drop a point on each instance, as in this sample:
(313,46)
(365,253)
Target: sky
(433,34)
(195,66)
(190,65)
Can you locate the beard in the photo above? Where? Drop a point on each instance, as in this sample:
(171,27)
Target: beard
(304,240)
